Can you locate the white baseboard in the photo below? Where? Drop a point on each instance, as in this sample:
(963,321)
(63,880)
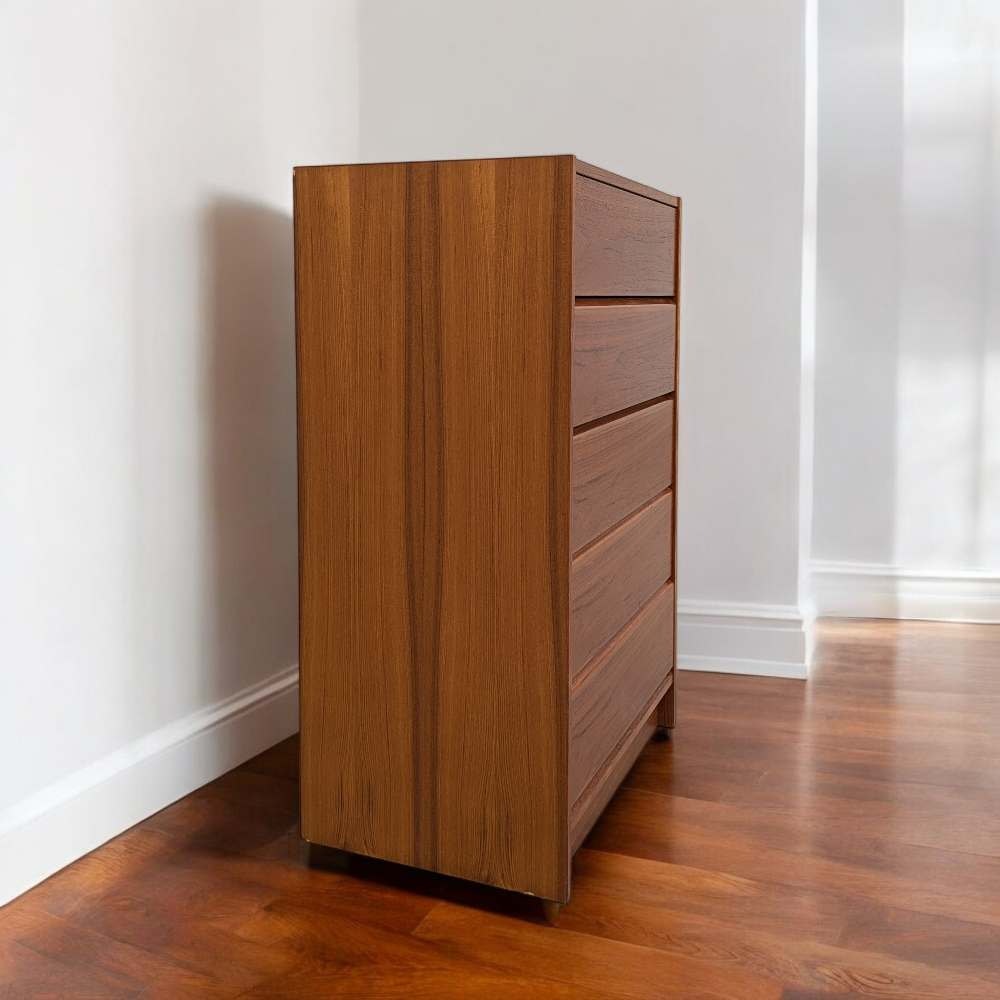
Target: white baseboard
(71,817)
(762,639)
(75,815)
(873,590)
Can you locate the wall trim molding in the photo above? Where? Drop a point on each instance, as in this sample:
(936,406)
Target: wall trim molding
(74,815)
(766,640)
(876,590)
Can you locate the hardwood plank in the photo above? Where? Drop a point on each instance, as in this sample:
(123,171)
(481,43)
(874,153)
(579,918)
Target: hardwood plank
(214,819)
(740,841)
(704,766)
(624,244)
(868,840)
(338,956)
(90,877)
(617,467)
(195,945)
(622,356)
(783,956)
(386,904)
(281,761)
(765,849)
(196,893)
(599,964)
(440,980)
(82,953)
(602,881)
(611,692)
(29,975)
(610,581)
(434,453)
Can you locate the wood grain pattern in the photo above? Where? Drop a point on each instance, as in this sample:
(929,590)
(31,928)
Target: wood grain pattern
(610,694)
(434,312)
(831,840)
(352,392)
(602,965)
(610,581)
(623,355)
(625,183)
(624,244)
(439,506)
(617,467)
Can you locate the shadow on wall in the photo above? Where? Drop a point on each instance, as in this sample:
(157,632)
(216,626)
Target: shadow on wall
(249,400)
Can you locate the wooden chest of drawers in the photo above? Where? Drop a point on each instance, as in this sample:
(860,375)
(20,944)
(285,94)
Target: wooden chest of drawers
(487,356)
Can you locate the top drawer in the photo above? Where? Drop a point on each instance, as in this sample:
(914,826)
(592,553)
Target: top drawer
(624,244)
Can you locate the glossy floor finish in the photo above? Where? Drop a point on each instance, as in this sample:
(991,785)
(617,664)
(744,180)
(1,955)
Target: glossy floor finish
(839,838)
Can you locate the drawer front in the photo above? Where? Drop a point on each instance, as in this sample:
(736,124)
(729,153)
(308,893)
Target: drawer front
(588,808)
(622,356)
(617,467)
(617,687)
(624,244)
(613,579)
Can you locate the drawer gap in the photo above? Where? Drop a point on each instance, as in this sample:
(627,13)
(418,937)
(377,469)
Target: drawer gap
(584,549)
(626,300)
(618,414)
(596,660)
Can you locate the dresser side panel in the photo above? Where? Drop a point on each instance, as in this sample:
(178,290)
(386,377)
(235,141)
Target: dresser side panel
(434,407)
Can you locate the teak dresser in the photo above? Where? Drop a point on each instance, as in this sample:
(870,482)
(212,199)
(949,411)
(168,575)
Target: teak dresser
(487,358)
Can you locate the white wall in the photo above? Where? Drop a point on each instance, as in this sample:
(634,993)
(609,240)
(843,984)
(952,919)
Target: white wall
(907,518)
(706,100)
(147,493)
(147,423)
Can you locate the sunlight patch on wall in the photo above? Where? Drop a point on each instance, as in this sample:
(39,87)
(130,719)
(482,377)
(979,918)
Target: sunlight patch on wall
(948,416)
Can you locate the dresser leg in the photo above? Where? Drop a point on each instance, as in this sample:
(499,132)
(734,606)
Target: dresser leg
(665,716)
(551,910)
(330,858)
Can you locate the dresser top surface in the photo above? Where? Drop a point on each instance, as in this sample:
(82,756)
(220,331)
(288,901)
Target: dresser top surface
(581,167)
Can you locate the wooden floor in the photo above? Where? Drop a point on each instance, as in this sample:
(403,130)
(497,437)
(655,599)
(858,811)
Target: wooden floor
(839,838)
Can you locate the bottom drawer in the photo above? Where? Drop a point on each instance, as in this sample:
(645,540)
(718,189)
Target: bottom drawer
(589,806)
(617,686)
